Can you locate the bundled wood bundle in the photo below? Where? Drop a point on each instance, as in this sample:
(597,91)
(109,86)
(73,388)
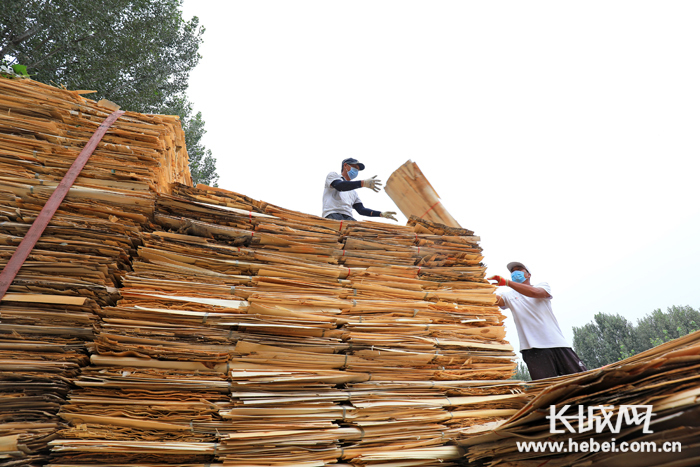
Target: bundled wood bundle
(414,195)
(419,418)
(665,379)
(90,239)
(43,129)
(42,347)
(156,385)
(139,413)
(76,256)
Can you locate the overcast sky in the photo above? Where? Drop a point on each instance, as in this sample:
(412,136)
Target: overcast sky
(565,134)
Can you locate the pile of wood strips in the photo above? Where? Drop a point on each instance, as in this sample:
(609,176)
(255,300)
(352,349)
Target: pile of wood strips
(43,129)
(42,348)
(354,342)
(667,378)
(197,325)
(415,196)
(48,316)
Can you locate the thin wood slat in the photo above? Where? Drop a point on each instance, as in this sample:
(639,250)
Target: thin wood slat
(414,196)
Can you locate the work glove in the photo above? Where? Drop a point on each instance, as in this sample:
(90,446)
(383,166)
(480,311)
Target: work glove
(389,215)
(372,184)
(500,281)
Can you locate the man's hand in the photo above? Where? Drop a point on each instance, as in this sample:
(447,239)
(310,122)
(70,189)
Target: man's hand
(500,281)
(372,184)
(389,215)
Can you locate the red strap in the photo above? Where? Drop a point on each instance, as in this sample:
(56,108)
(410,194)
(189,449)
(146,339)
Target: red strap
(250,215)
(47,212)
(430,208)
(341,226)
(343,252)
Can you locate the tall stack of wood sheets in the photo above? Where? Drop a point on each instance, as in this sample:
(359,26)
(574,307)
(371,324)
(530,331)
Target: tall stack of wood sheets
(216,329)
(48,316)
(356,343)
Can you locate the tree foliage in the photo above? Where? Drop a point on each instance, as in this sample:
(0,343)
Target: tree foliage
(611,338)
(137,53)
(604,340)
(659,327)
(202,163)
(522,373)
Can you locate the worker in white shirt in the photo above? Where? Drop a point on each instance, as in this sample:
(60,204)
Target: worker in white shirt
(542,344)
(340,196)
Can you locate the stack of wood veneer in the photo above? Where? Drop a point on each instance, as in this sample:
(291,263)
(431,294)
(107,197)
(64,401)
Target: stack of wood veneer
(336,342)
(222,330)
(414,195)
(48,316)
(665,378)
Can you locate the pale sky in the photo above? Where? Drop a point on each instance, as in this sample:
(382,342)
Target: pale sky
(565,134)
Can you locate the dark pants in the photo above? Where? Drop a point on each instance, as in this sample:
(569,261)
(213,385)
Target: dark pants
(548,363)
(339,217)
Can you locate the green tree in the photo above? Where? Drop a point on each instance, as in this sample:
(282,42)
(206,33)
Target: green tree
(202,163)
(611,338)
(659,327)
(136,53)
(522,373)
(608,339)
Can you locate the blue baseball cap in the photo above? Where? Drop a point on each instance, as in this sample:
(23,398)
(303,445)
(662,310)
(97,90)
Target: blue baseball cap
(352,161)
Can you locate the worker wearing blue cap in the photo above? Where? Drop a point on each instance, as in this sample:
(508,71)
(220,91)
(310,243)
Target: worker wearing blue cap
(340,197)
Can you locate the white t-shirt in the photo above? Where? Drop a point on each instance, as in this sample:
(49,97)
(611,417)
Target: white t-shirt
(537,326)
(338,201)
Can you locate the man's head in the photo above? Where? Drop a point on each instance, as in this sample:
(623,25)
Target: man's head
(349,164)
(517,266)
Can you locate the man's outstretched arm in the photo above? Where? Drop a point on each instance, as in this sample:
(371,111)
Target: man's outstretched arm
(346,185)
(525,289)
(529,290)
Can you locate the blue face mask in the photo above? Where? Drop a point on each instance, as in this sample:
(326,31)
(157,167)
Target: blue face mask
(352,173)
(518,276)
